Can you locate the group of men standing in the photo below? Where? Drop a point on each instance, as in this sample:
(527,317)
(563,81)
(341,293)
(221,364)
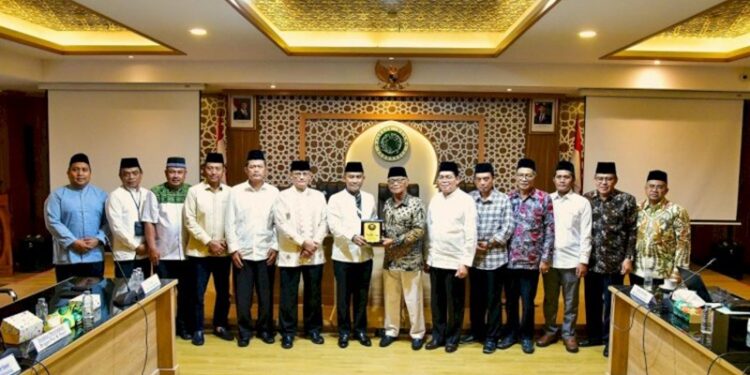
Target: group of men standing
(500,242)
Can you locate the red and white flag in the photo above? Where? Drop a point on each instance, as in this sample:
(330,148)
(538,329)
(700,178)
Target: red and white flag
(578,157)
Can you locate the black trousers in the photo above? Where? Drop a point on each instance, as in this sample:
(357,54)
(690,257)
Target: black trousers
(312,310)
(180,271)
(522,285)
(599,303)
(485,291)
(124,268)
(352,289)
(447,301)
(64,271)
(254,276)
(203,269)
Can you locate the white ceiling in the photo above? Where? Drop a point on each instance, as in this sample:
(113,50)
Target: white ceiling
(231,39)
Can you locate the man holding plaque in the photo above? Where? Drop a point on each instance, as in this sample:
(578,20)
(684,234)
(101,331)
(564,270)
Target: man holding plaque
(404,217)
(300,218)
(348,214)
(452,225)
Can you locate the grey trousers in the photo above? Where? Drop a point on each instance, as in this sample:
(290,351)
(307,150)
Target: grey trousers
(554,280)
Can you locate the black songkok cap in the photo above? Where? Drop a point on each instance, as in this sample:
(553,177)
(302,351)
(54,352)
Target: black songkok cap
(484,168)
(354,167)
(564,165)
(526,163)
(129,163)
(397,172)
(176,162)
(214,157)
(79,158)
(606,167)
(657,175)
(256,155)
(448,166)
(300,165)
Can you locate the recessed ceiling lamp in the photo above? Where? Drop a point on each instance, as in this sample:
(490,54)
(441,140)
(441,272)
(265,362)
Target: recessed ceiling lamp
(508,89)
(657,62)
(587,34)
(131,57)
(272,86)
(198,31)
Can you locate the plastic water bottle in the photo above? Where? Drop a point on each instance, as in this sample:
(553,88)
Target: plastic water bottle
(707,320)
(648,281)
(41,309)
(139,276)
(88,311)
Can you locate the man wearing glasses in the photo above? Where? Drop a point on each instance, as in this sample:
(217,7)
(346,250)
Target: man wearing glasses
(300,217)
(613,237)
(404,217)
(530,252)
(452,225)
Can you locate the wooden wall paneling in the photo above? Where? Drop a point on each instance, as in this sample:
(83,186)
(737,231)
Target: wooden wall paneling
(6,248)
(240,142)
(742,233)
(4,145)
(544,150)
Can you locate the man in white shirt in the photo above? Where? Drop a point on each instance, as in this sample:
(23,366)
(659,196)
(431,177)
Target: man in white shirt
(300,218)
(167,243)
(352,256)
(252,242)
(205,209)
(570,259)
(452,241)
(131,211)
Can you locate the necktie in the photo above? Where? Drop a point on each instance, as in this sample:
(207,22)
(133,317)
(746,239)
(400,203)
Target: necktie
(358,200)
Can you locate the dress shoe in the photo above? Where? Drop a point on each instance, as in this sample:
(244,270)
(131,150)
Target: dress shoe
(223,333)
(434,344)
(416,344)
(465,339)
(267,337)
(343,341)
(507,342)
(606,350)
(362,338)
(386,340)
(590,342)
(287,342)
(198,339)
(546,340)
(243,341)
(316,338)
(571,344)
(527,345)
(489,346)
(185,335)
(450,348)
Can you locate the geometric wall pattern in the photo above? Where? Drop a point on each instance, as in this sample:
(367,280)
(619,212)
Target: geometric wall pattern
(213,122)
(505,122)
(328,140)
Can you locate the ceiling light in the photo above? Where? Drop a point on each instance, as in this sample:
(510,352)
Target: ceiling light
(272,86)
(391,58)
(587,34)
(508,89)
(657,62)
(198,31)
(131,57)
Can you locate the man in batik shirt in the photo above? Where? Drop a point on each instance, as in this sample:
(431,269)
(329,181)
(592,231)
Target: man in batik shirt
(613,234)
(530,251)
(405,222)
(663,234)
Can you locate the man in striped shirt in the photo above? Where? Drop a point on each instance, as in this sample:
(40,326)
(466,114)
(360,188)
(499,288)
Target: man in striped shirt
(487,274)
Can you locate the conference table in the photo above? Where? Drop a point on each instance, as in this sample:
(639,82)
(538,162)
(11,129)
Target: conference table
(127,338)
(652,341)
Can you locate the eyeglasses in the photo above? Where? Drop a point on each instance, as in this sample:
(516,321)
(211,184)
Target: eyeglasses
(525,176)
(395,181)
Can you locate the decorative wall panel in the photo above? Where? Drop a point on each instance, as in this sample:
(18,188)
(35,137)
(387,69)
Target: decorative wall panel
(213,122)
(505,121)
(570,111)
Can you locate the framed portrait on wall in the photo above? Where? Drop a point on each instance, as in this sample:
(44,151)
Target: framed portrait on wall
(543,115)
(243,112)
